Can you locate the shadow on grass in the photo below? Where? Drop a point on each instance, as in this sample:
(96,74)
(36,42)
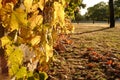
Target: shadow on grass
(91,31)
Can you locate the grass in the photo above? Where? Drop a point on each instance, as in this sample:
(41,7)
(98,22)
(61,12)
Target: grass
(97,35)
(102,62)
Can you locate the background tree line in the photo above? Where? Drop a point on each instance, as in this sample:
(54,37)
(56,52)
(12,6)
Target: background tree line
(101,12)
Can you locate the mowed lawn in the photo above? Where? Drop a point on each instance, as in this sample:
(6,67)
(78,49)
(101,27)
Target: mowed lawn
(97,36)
(94,54)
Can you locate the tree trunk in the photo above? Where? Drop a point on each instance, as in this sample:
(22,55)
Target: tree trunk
(111,9)
(93,21)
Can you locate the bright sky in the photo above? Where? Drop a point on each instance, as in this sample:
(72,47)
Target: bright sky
(90,3)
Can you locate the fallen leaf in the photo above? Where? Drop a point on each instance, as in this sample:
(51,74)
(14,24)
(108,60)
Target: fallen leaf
(89,49)
(109,62)
(91,65)
(94,53)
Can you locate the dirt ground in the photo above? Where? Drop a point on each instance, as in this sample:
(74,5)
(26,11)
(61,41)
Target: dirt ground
(94,55)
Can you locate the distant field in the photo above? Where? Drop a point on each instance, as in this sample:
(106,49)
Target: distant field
(79,27)
(91,35)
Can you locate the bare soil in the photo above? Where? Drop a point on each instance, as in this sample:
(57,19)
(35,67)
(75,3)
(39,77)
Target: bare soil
(94,55)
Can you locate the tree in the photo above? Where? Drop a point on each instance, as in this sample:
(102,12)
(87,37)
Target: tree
(73,7)
(111,9)
(77,17)
(98,12)
(117,8)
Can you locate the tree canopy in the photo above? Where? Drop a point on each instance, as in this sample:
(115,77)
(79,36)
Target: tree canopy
(117,8)
(98,12)
(73,7)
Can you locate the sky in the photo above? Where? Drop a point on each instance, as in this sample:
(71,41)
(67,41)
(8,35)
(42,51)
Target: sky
(90,3)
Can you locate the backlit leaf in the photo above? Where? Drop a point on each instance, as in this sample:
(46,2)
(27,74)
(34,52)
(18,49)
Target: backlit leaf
(13,69)
(21,73)
(18,17)
(49,52)
(42,4)
(63,2)
(59,14)
(28,4)
(4,16)
(20,40)
(14,61)
(16,56)
(21,16)
(9,49)
(0,4)
(32,28)
(35,21)
(35,40)
(14,25)
(5,40)
(30,75)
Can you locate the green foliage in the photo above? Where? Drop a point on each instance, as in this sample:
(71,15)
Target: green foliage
(72,7)
(98,12)
(117,3)
(43,76)
(117,8)
(37,76)
(78,17)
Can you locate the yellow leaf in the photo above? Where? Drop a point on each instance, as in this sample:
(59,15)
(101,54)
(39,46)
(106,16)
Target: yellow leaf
(15,57)
(28,4)
(18,17)
(59,14)
(35,40)
(9,7)
(22,72)
(14,61)
(20,40)
(0,4)
(34,7)
(35,21)
(63,2)
(9,49)
(54,35)
(13,22)
(13,69)
(5,40)
(69,28)
(5,14)
(42,4)
(21,16)
(49,52)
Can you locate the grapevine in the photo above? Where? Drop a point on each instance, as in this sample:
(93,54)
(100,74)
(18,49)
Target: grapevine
(30,29)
